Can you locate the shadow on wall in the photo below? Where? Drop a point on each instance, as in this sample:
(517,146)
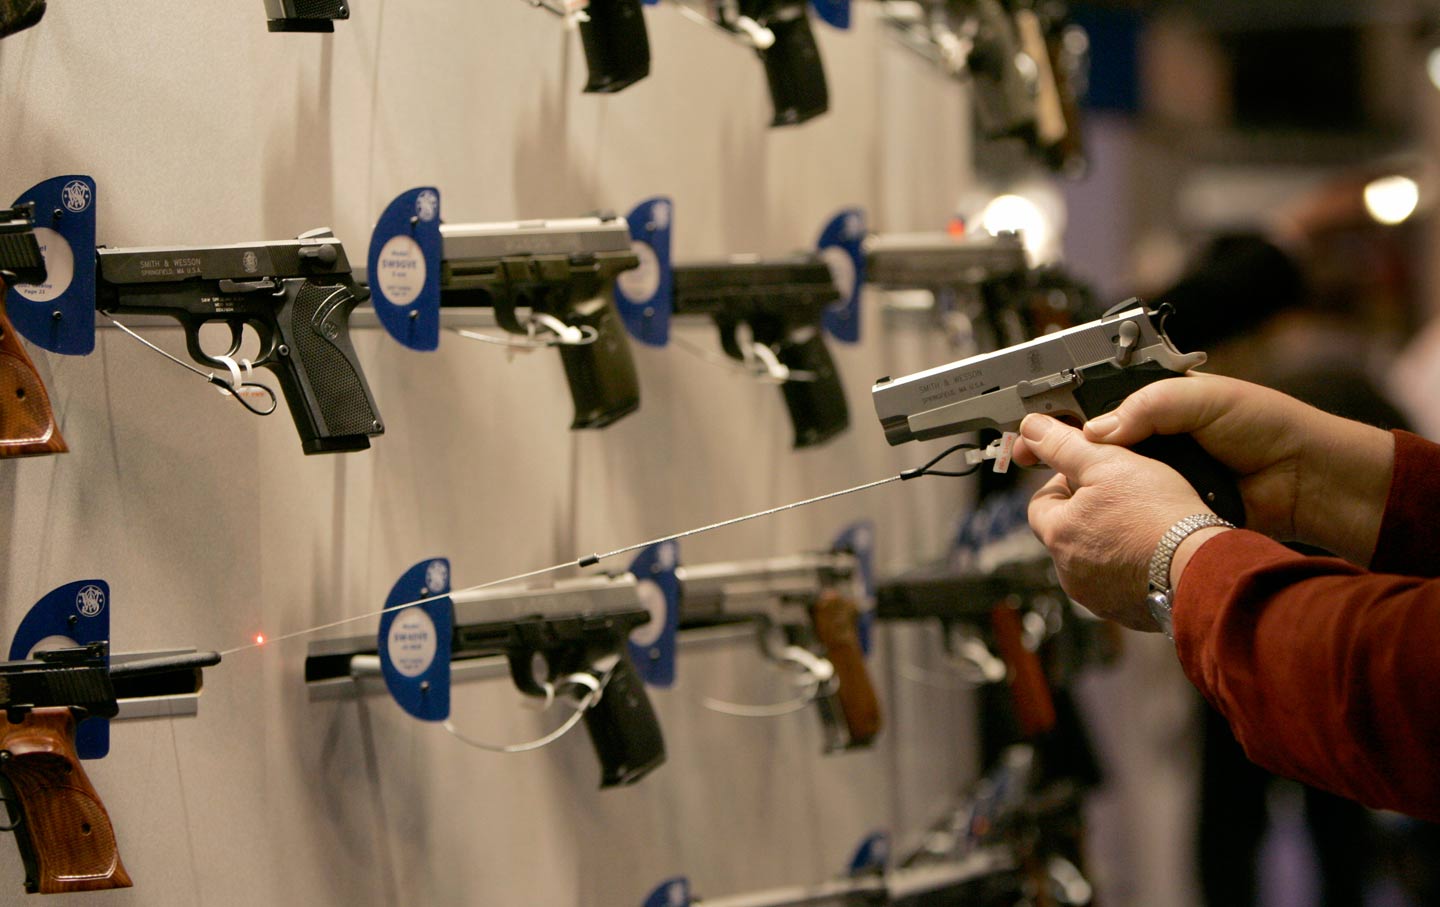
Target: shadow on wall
(299,170)
(549,176)
(743,179)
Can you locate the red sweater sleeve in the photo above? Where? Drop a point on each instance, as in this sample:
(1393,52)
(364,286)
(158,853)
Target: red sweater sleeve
(1328,673)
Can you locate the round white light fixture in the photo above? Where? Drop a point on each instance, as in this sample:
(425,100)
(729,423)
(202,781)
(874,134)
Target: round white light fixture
(1392,199)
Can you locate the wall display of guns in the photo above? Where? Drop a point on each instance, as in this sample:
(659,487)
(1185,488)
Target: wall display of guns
(1015,624)
(1020,810)
(27,422)
(768,313)
(576,626)
(1027,64)
(1074,374)
(804,611)
(61,827)
(613,36)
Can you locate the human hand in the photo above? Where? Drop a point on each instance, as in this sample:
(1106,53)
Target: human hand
(1305,475)
(1102,516)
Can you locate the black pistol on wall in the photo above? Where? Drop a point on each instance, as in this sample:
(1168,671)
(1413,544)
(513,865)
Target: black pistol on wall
(971,281)
(769,315)
(18,15)
(305,15)
(296,294)
(1074,374)
(779,32)
(617,47)
(556,277)
(578,626)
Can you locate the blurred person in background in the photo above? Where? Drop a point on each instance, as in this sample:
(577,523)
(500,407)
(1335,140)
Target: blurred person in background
(1314,304)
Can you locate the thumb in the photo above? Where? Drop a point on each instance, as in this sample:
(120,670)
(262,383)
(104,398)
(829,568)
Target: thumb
(1063,448)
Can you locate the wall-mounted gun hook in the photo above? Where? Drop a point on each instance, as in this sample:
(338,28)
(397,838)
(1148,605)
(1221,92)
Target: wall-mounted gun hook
(594,688)
(815,677)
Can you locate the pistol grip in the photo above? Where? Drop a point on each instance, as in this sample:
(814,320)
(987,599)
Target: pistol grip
(835,618)
(65,836)
(18,15)
(623,728)
(1029,690)
(602,378)
(27,423)
(617,48)
(305,15)
(795,72)
(1105,387)
(818,410)
(320,373)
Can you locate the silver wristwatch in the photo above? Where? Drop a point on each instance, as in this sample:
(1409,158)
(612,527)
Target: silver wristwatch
(1158,600)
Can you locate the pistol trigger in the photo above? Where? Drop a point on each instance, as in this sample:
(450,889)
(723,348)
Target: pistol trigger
(246,286)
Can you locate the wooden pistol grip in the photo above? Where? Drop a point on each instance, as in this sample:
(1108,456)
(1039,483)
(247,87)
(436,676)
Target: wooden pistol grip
(835,616)
(1034,707)
(65,833)
(27,423)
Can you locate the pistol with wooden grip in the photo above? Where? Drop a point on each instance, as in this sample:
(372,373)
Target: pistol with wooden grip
(27,422)
(61,827)
(1074,374)
(803,618)
(836,620)
(985,610)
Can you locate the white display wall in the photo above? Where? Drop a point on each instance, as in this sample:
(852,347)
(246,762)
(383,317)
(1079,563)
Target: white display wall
(200,127)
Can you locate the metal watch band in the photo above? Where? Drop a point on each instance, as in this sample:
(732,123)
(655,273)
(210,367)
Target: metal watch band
(1158,600)
(1170,541)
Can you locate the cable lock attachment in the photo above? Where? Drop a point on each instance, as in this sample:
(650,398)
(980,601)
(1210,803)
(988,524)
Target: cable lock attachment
(234,386)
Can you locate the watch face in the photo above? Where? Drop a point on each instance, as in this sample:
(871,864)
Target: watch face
(1158,604)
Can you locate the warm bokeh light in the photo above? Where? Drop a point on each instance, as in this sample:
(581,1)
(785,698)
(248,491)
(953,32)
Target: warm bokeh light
(1392,199)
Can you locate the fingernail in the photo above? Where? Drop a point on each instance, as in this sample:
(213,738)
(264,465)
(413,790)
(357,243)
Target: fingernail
(1035,426)
(1102,426)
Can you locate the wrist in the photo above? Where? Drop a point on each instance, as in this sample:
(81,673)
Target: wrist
(1164,573)
(1343,501)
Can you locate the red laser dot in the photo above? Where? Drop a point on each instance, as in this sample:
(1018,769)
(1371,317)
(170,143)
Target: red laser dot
(259,639)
